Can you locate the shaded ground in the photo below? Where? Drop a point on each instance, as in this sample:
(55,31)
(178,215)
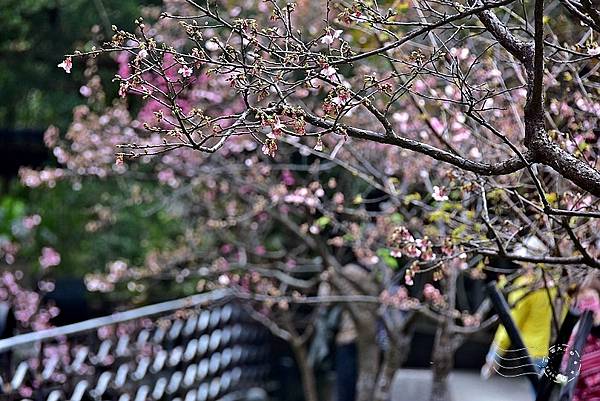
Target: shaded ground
(414,385)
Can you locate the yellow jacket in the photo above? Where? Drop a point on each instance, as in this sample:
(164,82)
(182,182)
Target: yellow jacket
(532,315)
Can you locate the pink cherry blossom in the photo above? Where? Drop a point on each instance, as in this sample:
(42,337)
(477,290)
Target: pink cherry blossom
(594,51)
(440,194)
(85,91)
(329,71)
(460,53)
(66,64)
(30,222)
(437,125)
(123,88)
(49,257)
(185,71)
(270,147)
(331,37)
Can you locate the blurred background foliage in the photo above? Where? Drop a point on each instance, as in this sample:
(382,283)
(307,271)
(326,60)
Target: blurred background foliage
(35,35)
(89,224)
(94,221)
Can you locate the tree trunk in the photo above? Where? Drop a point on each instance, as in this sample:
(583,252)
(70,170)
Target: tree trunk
(393,359)
(384,380)
(368,364)
(355,280)
(443,360)
(445,344)
(307,373)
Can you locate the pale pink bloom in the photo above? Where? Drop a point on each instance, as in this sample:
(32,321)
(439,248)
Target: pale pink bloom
(397,253)
(123,88)
(471,320)
(427,254)
(425,246)
(412,251)
(440,194)
(25,391)
(437,125)
(117,270)
(594,51)
(143,53)
(278,126)
(185,71)
(331,37)
(402,234)
(432,294)
(66,65)
(47,286)
(224,279)
(401,117)
(270,147)
(429,290)
(461,53)
(212,46)
(475,153)
(337,100)
(85,91)
(30,222)
(51,136)
(49,257)
(276,129)
(461,136)
(420,86)
(329,71)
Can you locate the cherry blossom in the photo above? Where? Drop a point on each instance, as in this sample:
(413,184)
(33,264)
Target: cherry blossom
(49,257)
(440,194)
(417,121)
(330,37)
(66,64)
(185,71)
(328,71)
(270,147)
(594,51)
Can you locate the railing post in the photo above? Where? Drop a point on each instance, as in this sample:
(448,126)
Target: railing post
(585,326)
(554,363)
(7,327)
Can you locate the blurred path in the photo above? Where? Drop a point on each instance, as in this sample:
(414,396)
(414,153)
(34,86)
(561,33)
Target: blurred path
(414,385)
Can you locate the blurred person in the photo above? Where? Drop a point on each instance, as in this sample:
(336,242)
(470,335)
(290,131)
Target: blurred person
(532,314)
(340,325)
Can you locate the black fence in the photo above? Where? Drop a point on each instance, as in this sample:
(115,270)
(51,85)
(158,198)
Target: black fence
(199,348)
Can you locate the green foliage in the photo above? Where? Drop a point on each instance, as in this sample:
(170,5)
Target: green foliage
(323,221)
(11,209)
(35,33)
(92,224)
(387,258)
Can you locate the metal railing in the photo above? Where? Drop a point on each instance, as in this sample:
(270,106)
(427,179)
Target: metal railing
(118,317)
(198,348)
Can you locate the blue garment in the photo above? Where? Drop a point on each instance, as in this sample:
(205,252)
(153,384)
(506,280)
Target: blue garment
(346,371)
